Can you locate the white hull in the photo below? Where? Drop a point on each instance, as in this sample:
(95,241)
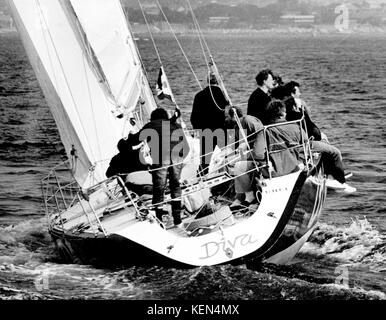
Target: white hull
(288,254)
(252,238)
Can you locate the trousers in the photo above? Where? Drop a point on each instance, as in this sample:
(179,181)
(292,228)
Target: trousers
(244,180)
(159,178)
(331,159)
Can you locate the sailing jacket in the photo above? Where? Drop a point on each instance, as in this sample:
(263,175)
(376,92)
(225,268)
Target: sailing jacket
(293,113)
(126,161)
(257,104)
(208,109)
(166,140)
(285,140)
(253,129)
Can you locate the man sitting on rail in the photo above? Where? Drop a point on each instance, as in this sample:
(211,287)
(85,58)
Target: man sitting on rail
(252,153)
(288,138)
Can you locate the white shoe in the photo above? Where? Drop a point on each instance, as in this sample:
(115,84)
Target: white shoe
(236,203)
(334,184)
(348,189)
(180,227)
(250,197)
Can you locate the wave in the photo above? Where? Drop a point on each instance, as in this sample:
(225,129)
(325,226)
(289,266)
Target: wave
(15,92)
(4,197)
(67,281)
(362,99)
(14,122)
(235,282)
(26,242)
(27,106)
(53,281)
(358,243)
(30,171)
(24,144)
(29,151)
(27,255)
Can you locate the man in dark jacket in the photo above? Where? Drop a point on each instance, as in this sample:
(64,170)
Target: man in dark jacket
(295,108)
(209,107)
(168,147)
(127,160)
(260,98)
(208,113)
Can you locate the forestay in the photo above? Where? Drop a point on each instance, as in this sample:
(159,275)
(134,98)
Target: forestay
(87,63)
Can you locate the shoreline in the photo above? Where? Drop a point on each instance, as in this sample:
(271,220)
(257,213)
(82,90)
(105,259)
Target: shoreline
(316,31)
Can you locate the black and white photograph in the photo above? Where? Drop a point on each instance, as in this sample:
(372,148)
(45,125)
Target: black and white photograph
(192,150)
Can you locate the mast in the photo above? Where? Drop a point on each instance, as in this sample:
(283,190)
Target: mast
(88,67)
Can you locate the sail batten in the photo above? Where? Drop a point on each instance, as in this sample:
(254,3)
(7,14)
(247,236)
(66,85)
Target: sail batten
(111,41)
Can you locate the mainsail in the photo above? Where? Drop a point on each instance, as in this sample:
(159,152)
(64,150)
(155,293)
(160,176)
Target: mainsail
(88,66)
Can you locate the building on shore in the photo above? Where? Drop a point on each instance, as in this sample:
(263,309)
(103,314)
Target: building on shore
(218,21)
(298,20)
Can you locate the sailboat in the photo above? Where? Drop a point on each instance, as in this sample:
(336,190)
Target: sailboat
(92,76)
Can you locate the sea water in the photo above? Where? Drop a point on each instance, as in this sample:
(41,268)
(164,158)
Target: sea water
(342,78)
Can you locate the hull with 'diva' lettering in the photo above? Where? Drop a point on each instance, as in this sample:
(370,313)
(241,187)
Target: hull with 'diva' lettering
(268,232)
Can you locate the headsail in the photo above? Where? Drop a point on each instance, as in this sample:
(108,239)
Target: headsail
(88,66)
(105,25)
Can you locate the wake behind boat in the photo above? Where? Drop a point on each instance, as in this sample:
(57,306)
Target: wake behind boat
(95,84)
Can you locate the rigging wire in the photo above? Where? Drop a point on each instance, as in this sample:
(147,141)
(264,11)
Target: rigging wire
(218,75)
(136,48)
(159,57)
(179,44)
(126,15)
(245,138)
(132,36)
(150,33)
(211,152)
(200,37)
(212,62)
